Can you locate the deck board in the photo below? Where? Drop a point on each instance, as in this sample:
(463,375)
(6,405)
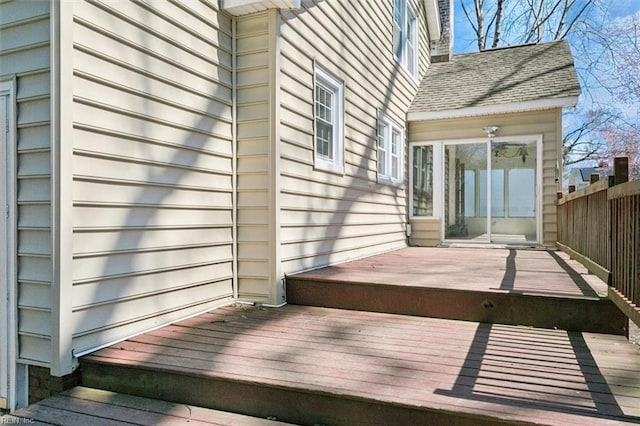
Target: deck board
(83,406)
(511,373)
(532,272)
(537,288)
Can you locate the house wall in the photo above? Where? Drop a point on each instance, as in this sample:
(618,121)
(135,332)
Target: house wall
(151,159)
(425,232)
(24,54)
(326,218)
(547,123)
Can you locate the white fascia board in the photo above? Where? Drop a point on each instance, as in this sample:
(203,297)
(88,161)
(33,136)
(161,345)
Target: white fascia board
(244,7)
(536,105)
(433,19)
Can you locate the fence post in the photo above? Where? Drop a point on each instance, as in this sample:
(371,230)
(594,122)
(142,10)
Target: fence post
(620,170)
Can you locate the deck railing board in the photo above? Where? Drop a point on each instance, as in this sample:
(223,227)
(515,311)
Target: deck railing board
(600,226)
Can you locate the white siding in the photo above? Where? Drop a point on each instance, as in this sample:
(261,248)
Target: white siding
(24,53)
(152,165)
(328,218)
(545,123)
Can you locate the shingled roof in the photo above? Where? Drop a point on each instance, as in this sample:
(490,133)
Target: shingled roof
(520,78)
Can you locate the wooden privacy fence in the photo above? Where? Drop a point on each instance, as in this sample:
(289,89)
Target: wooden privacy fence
(600,227)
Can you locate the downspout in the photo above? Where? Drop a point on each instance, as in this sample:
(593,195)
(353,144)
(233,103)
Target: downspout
(234,158)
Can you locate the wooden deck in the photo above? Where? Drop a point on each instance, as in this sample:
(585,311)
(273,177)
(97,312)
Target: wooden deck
(82,406)
(519,287)
(310,365)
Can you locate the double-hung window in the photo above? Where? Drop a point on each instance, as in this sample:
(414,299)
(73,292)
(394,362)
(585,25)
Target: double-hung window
(390,151)
(405,35)
(328,118)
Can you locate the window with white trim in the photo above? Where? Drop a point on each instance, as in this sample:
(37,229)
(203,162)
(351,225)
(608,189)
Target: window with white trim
(405,36)
(328,122)
(390,151)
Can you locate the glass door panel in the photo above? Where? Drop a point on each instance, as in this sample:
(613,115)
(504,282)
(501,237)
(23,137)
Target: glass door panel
(513,192)
(465,215)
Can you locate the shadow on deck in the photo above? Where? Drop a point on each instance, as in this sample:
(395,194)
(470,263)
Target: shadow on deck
(314,365)
(309,365)
(517,287)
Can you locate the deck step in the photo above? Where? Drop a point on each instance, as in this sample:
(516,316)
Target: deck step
(589,314)
(309,365)
(95,407)
(514,287)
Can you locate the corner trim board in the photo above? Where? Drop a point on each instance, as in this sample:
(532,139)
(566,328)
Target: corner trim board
(62,360)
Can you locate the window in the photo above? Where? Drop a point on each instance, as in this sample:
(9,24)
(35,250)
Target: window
(470,193)
(328,118)
(497,193)
(405,35)
(423,180)
(399,7)
(390,151)
(522,193)
(411,50)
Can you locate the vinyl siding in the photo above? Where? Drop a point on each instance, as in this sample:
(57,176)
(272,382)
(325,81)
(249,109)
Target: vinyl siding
(328,218)
(546,123)
(255,148)
(425,232)
(24,53)
(152,166)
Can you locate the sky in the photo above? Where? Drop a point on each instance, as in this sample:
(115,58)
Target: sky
(464,37)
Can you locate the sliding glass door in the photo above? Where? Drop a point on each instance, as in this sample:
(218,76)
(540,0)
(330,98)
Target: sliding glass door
(465,214)
(490,191)
(514,176)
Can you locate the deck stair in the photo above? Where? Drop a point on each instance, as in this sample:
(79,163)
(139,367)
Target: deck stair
(536,288)
(477,361)
(94,407)
(322,366)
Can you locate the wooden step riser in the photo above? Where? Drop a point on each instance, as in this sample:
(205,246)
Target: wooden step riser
(265,401)
(572,314)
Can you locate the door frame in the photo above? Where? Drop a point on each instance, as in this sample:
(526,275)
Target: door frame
(538,186)
(438,184)
(15,376)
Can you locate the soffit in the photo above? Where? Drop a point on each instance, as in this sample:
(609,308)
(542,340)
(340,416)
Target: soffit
(244,7)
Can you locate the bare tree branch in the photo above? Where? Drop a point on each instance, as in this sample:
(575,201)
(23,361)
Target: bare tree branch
(497,24)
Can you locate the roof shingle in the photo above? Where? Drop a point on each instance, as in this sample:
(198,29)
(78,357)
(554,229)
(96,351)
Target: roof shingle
(500,76)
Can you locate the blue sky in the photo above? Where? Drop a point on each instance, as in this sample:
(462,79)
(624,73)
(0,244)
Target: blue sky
(621,8)
(464,37)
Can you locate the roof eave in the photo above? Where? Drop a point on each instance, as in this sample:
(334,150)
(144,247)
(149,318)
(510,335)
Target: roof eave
(433,19)
(244,7)
(535,105)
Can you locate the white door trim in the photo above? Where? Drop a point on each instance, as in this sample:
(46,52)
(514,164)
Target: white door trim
(438,145)
(12,384)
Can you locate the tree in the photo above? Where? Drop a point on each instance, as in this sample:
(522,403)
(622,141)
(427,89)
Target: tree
(521,22)
(607,52)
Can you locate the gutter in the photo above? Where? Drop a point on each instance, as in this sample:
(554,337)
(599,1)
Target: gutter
(536,105)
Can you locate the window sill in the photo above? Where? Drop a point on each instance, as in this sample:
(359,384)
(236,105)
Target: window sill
(328,167)
(390,182)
